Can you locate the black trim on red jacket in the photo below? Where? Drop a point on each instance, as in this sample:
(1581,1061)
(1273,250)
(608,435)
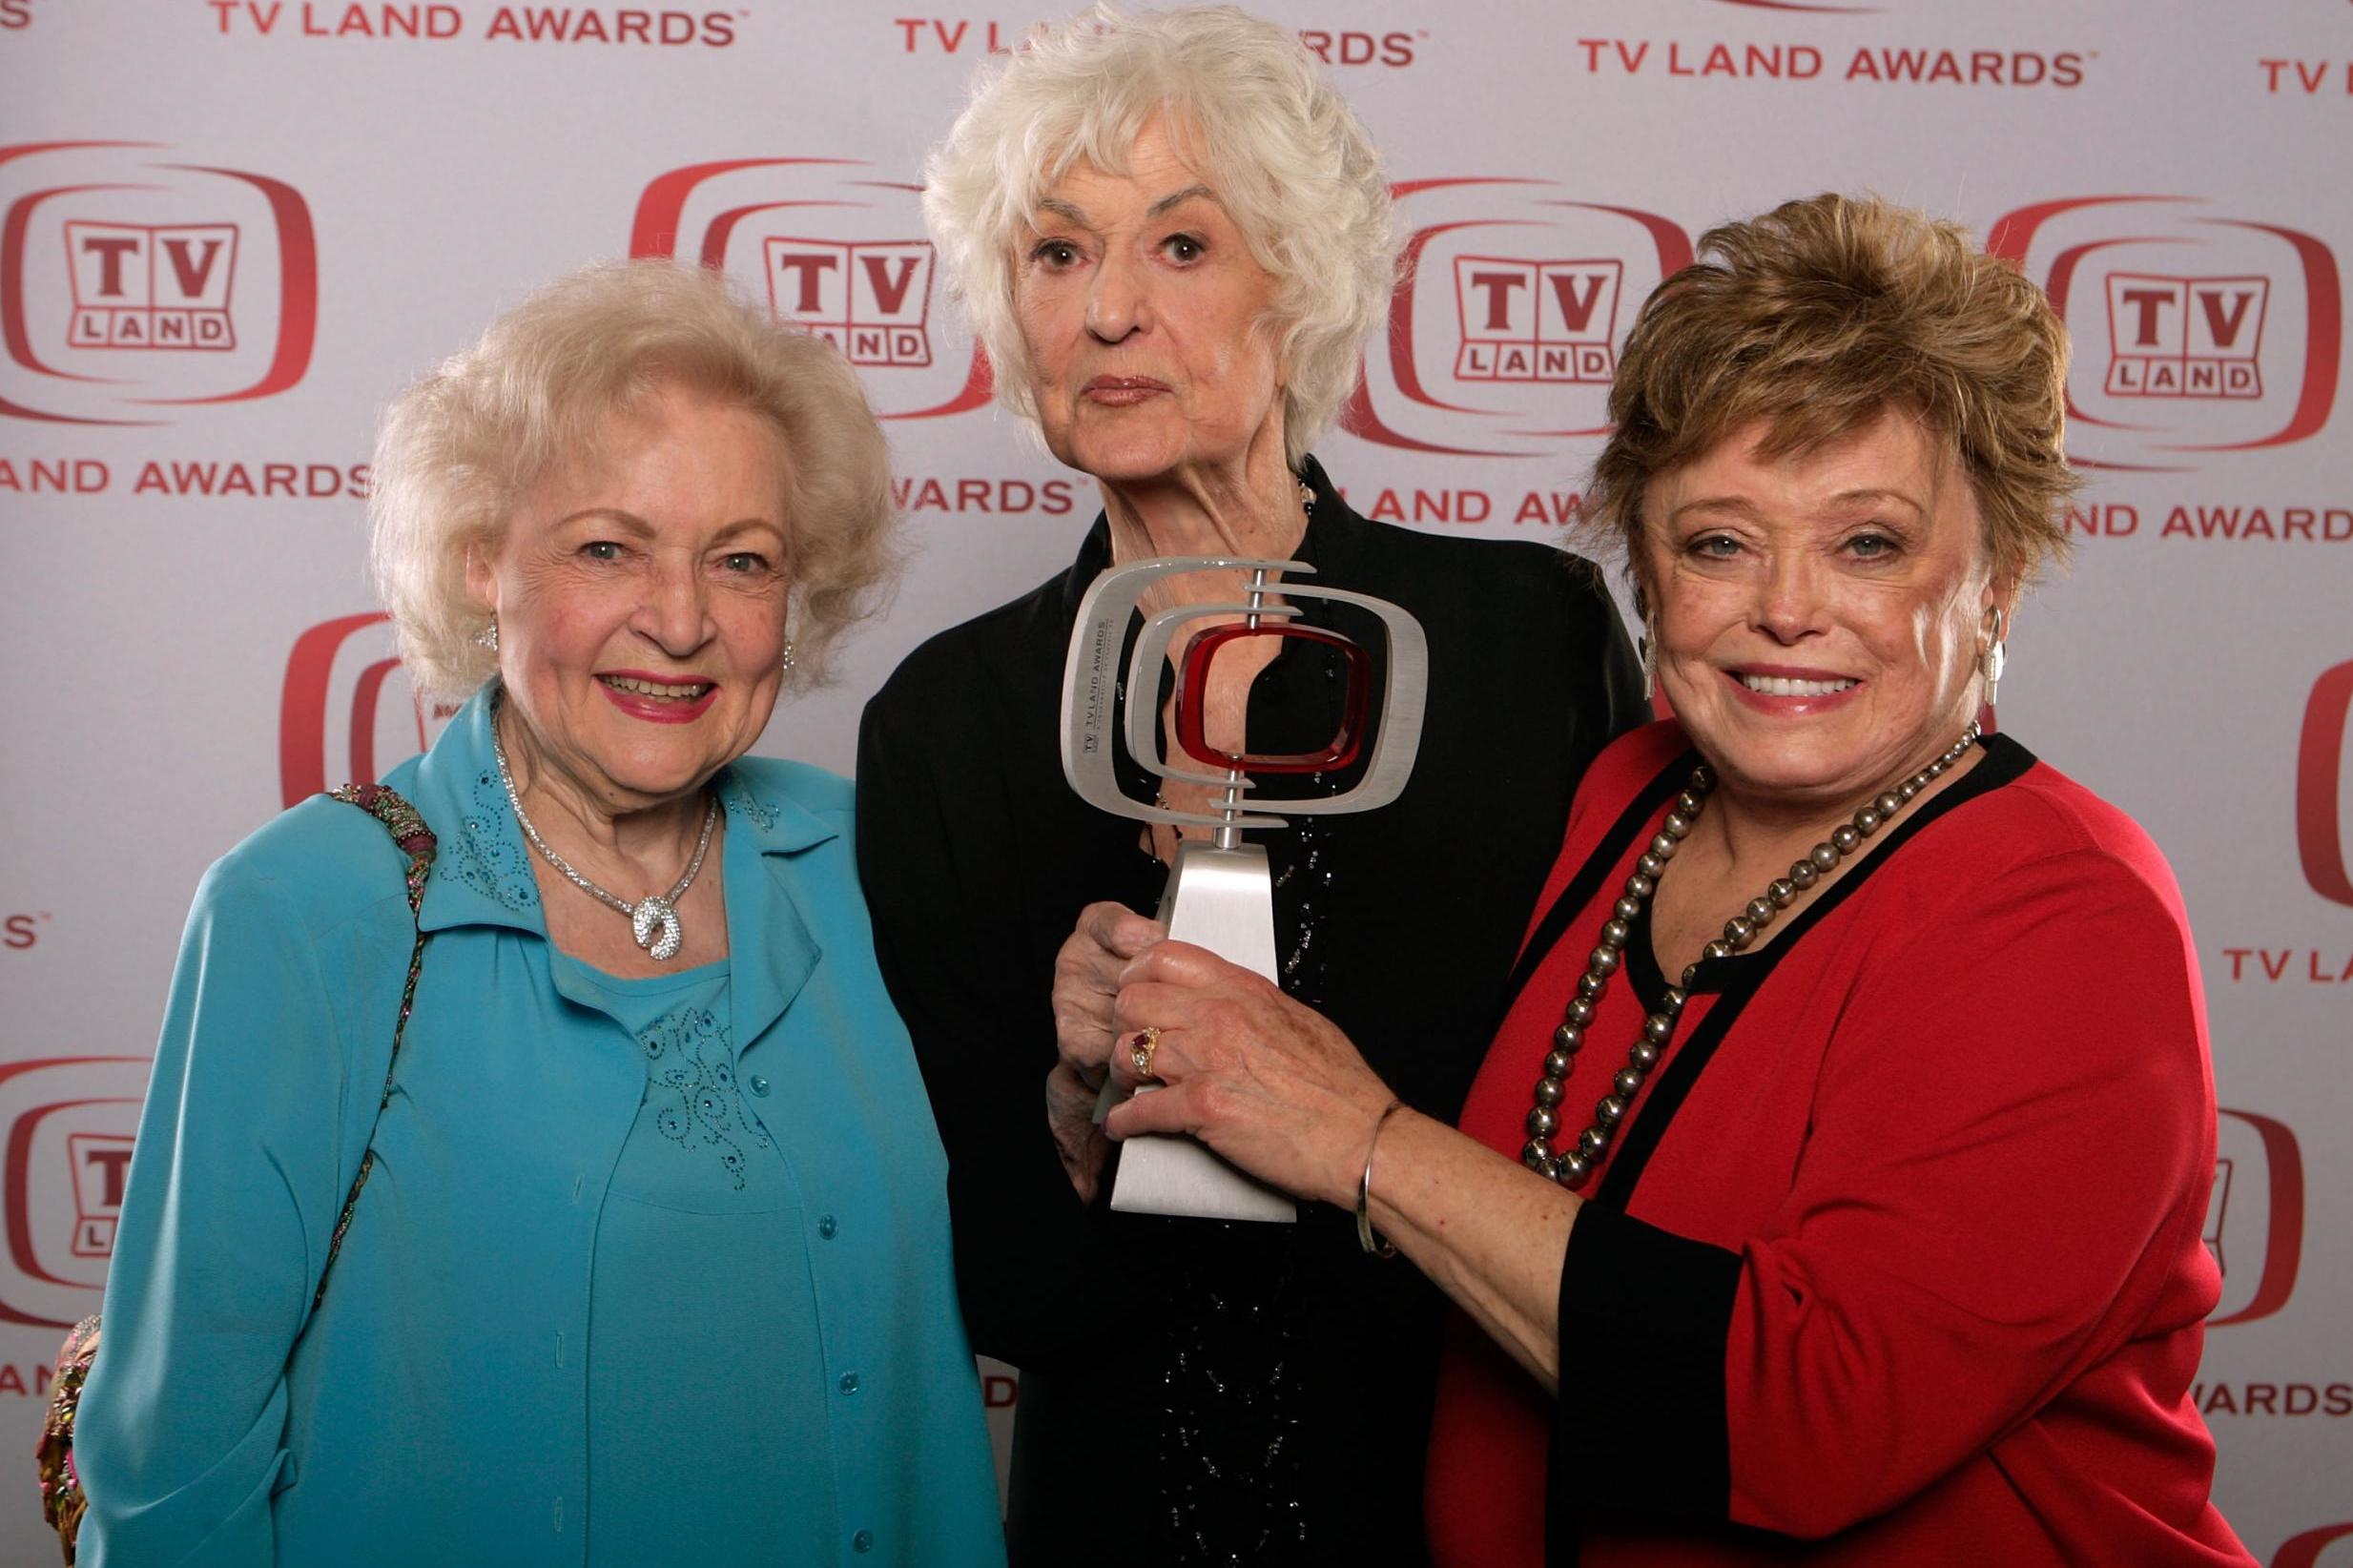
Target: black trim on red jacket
(1642,1376)
(1738,977)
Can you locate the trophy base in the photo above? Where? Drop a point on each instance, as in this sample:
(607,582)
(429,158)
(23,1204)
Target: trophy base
(1223,901)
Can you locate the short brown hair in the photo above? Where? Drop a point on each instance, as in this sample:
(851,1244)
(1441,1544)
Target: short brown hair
(1822,315)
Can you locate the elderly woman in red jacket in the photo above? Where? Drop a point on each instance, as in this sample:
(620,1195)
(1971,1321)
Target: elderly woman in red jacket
(1833,1189)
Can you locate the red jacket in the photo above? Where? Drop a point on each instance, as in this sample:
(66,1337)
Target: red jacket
(1898,1253)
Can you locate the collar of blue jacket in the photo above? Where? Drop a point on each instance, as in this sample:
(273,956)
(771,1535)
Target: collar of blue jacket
(482,869)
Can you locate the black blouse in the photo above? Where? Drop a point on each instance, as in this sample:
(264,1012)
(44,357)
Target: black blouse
(1197,1391)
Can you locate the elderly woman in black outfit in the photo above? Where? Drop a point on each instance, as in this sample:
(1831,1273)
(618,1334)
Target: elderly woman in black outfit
(1174,241)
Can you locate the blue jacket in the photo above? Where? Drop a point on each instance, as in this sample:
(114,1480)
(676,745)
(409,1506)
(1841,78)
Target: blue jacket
(435,1411)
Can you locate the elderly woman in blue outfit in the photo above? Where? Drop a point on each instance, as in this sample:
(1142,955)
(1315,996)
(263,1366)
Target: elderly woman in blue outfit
(651,1265)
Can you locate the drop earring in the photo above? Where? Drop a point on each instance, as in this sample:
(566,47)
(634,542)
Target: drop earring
(1650,668)
(1997,654)
(488,636)
(786,663)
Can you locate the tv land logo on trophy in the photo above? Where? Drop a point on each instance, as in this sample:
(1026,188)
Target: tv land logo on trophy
(2197,330)
(1220,892)
(346,712)
(2255,1218)
(69,1122)
(2325,787)
(829,246)
(1504,329)
(135,282)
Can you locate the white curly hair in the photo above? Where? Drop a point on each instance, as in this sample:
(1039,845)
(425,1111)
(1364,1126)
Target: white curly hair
(1284,153)
(547,380)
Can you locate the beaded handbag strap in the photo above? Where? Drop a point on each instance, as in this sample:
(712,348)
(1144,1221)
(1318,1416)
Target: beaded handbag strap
(407,828)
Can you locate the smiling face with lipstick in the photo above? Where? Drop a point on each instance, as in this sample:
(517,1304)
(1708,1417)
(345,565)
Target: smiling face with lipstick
(1817,618)
(641,591)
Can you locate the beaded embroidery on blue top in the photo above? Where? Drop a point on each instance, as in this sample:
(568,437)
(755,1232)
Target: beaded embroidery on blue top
(742,803)
(487,860)
(691,1078)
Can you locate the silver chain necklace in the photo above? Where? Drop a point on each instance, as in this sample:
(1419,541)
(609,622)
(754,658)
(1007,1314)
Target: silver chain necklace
(1571,1165)
(655,913)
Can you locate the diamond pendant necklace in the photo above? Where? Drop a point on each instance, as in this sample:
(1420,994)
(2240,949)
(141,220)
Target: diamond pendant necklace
(1572,1165)
(654,919)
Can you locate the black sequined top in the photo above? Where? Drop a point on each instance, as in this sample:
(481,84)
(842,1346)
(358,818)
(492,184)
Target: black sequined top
(1194,1391)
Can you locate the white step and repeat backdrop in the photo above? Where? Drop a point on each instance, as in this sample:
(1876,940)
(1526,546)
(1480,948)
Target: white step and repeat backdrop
(230,229)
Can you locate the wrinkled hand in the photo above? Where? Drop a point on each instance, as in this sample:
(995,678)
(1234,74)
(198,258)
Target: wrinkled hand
(1273,1087)
(1086,978)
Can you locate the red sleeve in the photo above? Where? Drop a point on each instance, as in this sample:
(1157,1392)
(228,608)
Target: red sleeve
(2005,1147)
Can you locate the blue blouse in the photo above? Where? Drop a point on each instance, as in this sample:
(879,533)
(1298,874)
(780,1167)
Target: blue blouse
(474,1388)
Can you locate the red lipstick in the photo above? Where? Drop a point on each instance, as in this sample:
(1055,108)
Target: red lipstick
(643,704)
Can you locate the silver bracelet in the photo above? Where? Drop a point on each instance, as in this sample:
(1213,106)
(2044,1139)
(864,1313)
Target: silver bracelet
(1376,1245)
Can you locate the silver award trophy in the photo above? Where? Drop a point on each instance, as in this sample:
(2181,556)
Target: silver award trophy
(1220,894)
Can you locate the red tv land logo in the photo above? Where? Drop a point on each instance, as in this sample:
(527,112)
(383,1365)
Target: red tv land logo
(2255,1219)
(2324,796)
(346,712)
(826,245)
(871,301)
(1504,334)
(69,1124)
(151,285)
(2185,337)
(1536,320)
(2196,330)
(133,282)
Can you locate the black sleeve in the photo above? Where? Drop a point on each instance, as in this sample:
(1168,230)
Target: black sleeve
(941,860)
(1641,1425)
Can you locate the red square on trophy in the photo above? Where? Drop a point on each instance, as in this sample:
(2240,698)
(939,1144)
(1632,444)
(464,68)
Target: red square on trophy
(1192,687)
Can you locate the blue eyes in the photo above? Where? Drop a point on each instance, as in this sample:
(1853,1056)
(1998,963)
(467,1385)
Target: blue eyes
(601,549)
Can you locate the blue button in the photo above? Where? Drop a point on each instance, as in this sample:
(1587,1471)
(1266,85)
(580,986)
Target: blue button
(849,1382)
(826,1228)
(862,1541)
(760,1084)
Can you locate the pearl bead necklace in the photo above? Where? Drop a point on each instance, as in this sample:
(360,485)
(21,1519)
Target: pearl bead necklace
(1572,1168)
